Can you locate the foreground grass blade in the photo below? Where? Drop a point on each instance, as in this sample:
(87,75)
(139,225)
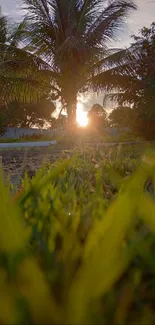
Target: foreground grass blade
(29,279)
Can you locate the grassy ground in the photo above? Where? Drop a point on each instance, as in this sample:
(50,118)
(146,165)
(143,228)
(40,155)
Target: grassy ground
(17,161)
(77,245)
(81,135)
(28,139)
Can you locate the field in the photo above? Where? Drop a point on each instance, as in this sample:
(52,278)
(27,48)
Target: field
(77,246)
(16,162)
(80,135)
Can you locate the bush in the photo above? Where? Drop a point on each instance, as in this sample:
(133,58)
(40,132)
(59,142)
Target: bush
(71,253)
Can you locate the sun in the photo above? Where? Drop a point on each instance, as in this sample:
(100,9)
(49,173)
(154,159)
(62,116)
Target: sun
(81,115)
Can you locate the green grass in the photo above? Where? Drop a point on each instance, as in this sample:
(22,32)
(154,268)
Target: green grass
(77,245)
(123,137)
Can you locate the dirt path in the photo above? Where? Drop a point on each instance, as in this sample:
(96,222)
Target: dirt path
(16,161)
(27,144)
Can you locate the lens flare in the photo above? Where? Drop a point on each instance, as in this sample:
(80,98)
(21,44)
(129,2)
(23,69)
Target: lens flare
(81,115)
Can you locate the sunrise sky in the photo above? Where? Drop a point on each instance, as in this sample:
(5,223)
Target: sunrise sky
(144,16)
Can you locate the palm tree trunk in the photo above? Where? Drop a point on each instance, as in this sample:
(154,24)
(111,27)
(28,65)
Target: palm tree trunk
(71,111)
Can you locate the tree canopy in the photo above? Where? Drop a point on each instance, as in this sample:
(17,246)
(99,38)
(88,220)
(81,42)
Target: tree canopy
(139,90)
(24,90)
(122,117)
(29,114)
(97,117)
(68,42)
(22,75)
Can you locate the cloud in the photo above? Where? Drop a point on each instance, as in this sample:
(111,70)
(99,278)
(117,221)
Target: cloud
(144,16)
(14,13)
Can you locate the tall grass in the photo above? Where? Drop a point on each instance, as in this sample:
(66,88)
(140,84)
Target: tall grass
(77,244)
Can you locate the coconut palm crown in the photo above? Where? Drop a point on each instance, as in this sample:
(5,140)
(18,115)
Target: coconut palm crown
(71,38)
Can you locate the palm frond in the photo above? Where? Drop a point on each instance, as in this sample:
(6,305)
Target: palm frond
(87,13)
(20,89)
(112,97)
(38,9)
(110,21)
(3,29)
(18,79)
(115,78)
(39,30)
(63,43)
(114,57)
(15,53)
(15,38)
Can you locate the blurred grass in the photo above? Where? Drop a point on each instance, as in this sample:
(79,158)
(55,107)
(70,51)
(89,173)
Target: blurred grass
(77,245)
(79,135)
(34,138)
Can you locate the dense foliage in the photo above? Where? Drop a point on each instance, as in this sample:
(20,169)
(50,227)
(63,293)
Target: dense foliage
(77,245)
(123,117)
(139,91)
(97,117)
(29,114)
(142,93)
(22,76)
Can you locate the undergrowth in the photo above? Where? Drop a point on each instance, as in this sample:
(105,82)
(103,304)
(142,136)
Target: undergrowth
(77,245)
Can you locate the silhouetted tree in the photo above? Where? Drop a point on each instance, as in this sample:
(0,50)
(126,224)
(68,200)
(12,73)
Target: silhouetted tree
(29,114)
(72,37)
(23,77)
(122,117)
(139,89)
(97,117)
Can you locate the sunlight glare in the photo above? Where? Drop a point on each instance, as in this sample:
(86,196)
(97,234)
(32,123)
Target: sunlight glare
(81,115)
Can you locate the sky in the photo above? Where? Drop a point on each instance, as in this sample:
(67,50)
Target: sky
(144,16)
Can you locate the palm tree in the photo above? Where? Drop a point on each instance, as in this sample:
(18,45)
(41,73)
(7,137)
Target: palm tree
(71,38)
(23,76)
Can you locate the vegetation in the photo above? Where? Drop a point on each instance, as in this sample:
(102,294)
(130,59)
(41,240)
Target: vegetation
(139,90)
(24,94)
(63,43)
(123,117)
(22,76)
(27,115)
(97,118)
(85,245)
(77,245)
(37,67)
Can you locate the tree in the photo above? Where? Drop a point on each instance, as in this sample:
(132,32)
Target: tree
(24,85)
(71,37)
(29,114)
(23,76)
(97,117)
(62,121)
(138,90)
(144,93)
(123,117)
(97,110)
